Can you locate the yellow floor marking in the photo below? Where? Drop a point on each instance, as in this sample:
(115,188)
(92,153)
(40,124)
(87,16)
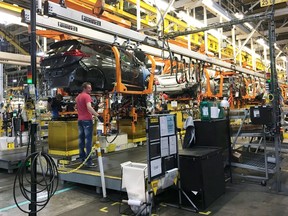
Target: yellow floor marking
(205,213)
(104,209)
(115,203)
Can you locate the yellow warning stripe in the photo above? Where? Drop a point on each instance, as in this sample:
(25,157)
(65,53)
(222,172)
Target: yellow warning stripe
(205,213)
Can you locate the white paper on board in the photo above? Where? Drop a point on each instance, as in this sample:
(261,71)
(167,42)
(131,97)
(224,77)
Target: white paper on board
(164,146)
(173,144)
(156,167)
(163,126)
(170,125)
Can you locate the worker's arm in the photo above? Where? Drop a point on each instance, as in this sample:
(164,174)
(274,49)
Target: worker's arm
(91,110)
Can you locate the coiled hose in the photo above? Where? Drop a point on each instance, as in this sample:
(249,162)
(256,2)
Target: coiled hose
(46,181)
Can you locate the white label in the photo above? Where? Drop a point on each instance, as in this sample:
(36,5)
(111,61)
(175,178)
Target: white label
(256,113)
(205,111)
(174,104)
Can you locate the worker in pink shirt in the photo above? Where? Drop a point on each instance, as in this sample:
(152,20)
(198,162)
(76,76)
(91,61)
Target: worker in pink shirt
(85,122)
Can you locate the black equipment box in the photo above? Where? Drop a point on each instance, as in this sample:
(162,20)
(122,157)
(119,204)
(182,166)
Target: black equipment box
(261,115)
(212,133)
(202,174)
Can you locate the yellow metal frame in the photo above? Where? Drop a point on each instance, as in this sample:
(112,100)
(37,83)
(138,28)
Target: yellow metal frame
(64,153)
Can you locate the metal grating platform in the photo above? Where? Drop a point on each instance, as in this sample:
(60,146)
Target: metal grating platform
(254,161)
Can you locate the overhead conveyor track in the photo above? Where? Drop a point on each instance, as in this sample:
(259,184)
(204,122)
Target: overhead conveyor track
(86,26)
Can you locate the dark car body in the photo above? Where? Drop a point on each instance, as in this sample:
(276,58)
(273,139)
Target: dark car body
(69,63)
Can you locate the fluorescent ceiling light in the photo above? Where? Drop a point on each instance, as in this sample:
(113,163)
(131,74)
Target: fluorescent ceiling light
(249,25)
(14,80)
(163,5)
(40,54)
(262,42)
(216,8)
(239,16)
(191,21)
(7,19)
(284,58)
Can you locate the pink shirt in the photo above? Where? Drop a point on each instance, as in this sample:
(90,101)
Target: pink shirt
(81,100)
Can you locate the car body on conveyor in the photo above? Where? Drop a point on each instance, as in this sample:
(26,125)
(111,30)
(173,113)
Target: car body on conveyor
(69,63)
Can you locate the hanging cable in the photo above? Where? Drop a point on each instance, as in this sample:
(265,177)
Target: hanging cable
(46,181)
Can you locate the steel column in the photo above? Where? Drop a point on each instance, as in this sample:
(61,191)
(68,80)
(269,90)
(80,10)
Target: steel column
(276,106)
(1,83)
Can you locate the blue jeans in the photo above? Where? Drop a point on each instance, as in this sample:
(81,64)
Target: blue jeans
(85,130)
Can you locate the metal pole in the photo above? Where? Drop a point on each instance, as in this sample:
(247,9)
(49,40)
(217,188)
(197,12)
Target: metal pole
(265,56)
(1,83)
(33,46)
(253,55)
(189,36)
(33,206)
(220,40)
(205,33)
(234,44)
(138,12)
(276,105)
(240,57)
(100,162)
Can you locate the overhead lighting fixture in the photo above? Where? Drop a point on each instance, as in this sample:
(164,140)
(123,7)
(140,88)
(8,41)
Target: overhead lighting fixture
(40,54)
(14,80)
(262,42)
(239,15)
(216,8)
(249,25)
(7,19)
(163,5)
(284,58)
(191,21)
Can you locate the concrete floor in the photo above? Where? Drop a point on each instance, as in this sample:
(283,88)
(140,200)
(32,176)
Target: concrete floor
(242,197)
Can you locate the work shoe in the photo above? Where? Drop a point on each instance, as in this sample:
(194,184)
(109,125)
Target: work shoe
(90,165)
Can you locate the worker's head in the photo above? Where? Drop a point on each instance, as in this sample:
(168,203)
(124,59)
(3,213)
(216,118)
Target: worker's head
(87,87)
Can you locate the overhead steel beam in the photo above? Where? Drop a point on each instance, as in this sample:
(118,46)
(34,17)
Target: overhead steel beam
(16,59)
(219,25)
(257,34)
(254,5)
(282,42)
(187,4)
(81,25)
(215,8)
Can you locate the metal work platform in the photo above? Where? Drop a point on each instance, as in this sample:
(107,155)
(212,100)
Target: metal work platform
(11,159)
(112,169)
(254,161)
